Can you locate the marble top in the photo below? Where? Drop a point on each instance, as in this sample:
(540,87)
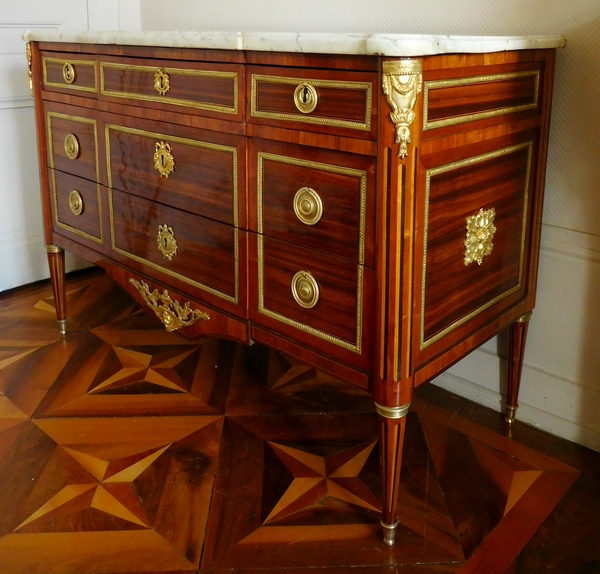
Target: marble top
(402,45)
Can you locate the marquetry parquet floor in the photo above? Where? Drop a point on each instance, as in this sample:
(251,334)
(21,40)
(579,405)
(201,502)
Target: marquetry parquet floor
(127,449)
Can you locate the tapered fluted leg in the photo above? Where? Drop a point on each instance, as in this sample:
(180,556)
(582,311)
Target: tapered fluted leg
(392,423)
(517,337)
(56,262)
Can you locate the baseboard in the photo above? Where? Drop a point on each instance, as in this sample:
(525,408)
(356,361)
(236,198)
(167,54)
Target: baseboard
(535,412)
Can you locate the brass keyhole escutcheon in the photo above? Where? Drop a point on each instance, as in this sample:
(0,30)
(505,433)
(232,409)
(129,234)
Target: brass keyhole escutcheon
(305,289)
(164,162)
(68,73)
(308,206)
(167,244)
(71,146)
(162,81)
(76,202)
(306,98)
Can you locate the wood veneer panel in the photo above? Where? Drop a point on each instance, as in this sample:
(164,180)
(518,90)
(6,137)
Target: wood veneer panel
(344,183)
(208,255)
(208,176)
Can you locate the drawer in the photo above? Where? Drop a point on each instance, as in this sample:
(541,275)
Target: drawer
(203,88)
(328,101)
(73,143)
(69,72)
(193,253)
(314,298)
(320,200)
(77,207)
(202,173)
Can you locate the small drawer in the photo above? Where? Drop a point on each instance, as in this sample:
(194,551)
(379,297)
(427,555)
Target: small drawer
(319,200)
(314,297)
(72,144)
(326,101)
(203,173)
(69,72)
(197,254)
(202,88)
(77,207)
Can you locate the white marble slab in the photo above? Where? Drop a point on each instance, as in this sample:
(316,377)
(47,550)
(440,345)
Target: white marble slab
(402,45)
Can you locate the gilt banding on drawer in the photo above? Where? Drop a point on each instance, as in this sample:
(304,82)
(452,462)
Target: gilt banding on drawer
(200,88)
(195,175)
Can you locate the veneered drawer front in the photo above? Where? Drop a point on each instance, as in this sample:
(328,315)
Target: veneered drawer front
(73,143)
(192,252)
(320,200)
(76,204)
(199,173)
(327,101)
(314,298)
(191,87)
(69,72)
(470,96)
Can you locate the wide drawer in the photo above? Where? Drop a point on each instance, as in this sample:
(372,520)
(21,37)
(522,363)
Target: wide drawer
(314,298)
(192,253)
(69,72)
(327,101)
(317,199)
(73,142)
(195,170)
(201,88)
(77,207)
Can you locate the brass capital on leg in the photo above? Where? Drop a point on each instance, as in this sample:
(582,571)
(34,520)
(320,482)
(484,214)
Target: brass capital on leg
(393,412)
(53,249)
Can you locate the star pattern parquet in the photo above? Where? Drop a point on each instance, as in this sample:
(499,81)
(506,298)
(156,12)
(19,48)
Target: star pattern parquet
(124,448)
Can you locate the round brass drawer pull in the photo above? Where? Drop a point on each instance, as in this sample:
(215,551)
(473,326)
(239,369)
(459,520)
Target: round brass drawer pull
(72,146)
(308,206)
(68,73)
(164,162)
(305,289)
(167,244)
(306,98)
(76,202)
(162,82)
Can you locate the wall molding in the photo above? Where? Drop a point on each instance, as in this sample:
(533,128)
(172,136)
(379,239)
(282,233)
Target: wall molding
(16,102)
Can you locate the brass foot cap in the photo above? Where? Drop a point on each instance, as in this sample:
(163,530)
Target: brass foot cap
(510,414)
(62,326)
(389,532)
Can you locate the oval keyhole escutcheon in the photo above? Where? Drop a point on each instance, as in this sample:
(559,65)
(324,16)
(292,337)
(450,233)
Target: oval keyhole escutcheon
(306,98)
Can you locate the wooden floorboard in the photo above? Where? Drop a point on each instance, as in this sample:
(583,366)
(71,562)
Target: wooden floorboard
(127,449)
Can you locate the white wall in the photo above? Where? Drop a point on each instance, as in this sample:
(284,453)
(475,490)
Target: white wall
(22,253)
(561,381)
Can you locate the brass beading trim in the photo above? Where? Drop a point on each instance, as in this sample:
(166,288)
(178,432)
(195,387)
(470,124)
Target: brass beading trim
(451,83)
(449,167)
(361,175)
(393,412)
(29,66)
(340,85)
(167,99)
